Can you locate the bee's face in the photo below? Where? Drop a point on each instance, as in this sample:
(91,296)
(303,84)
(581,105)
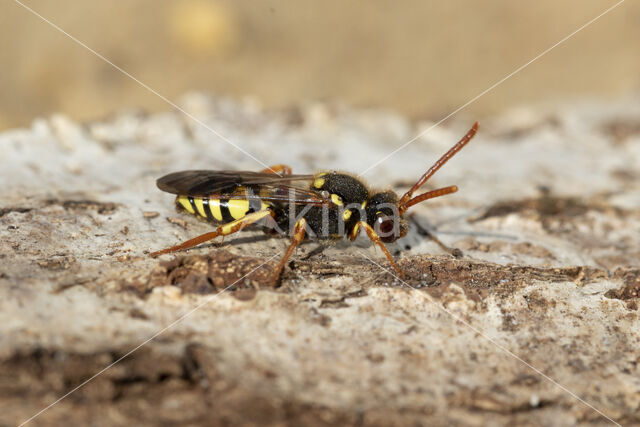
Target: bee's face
(383,215)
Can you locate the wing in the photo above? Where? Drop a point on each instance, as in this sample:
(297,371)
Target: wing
(245,184)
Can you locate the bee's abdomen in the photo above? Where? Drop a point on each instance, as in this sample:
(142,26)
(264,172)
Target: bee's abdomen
(220,209)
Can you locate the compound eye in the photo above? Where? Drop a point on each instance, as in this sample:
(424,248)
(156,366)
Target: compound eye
(385,229)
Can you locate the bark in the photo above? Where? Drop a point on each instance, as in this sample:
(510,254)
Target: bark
(547,219)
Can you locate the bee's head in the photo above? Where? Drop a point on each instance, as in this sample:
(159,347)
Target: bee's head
(385,217)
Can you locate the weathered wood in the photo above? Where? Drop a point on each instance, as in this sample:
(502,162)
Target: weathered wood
(547,218)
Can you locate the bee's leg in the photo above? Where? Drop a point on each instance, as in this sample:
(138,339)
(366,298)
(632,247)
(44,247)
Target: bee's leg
(299,231)
(373,236)
(223,230)
(278,170)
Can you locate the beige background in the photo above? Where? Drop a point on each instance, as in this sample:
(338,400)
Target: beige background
(421,58)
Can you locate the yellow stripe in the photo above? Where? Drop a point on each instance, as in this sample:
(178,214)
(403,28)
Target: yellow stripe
(184,202)
(238,208)
(214,206)
(200,206)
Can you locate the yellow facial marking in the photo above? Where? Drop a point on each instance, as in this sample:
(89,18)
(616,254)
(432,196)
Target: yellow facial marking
(184,202)
(214,207)
(318,183)
(346,215)
(364,204)
(238,208)
(337,200)
(200,206)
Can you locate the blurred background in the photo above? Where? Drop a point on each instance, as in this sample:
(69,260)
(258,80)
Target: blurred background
(420,58)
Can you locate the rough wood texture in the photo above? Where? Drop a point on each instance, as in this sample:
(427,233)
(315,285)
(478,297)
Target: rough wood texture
(547,218)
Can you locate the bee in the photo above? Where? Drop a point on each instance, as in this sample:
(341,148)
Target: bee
(325,205)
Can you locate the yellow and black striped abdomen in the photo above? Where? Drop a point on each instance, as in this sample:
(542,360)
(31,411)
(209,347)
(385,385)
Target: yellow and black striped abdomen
(221,210)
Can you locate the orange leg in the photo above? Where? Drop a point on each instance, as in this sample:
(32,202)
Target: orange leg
(223,230)
(373,236)
(278,170)
(299,232)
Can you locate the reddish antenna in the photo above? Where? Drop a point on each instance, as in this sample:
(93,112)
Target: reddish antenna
(406,201)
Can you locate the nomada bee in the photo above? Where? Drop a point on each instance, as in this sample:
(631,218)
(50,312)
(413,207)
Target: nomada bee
(325,205)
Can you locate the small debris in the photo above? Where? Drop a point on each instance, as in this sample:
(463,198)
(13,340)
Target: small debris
(339,303)
(150,214)
(136,313)
(245,294)
(178,221)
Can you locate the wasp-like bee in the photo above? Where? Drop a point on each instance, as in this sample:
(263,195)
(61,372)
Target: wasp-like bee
(326,205)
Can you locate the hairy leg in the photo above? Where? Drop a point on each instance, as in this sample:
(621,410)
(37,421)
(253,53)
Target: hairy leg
(223,230)
(298,235)
(373,236)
